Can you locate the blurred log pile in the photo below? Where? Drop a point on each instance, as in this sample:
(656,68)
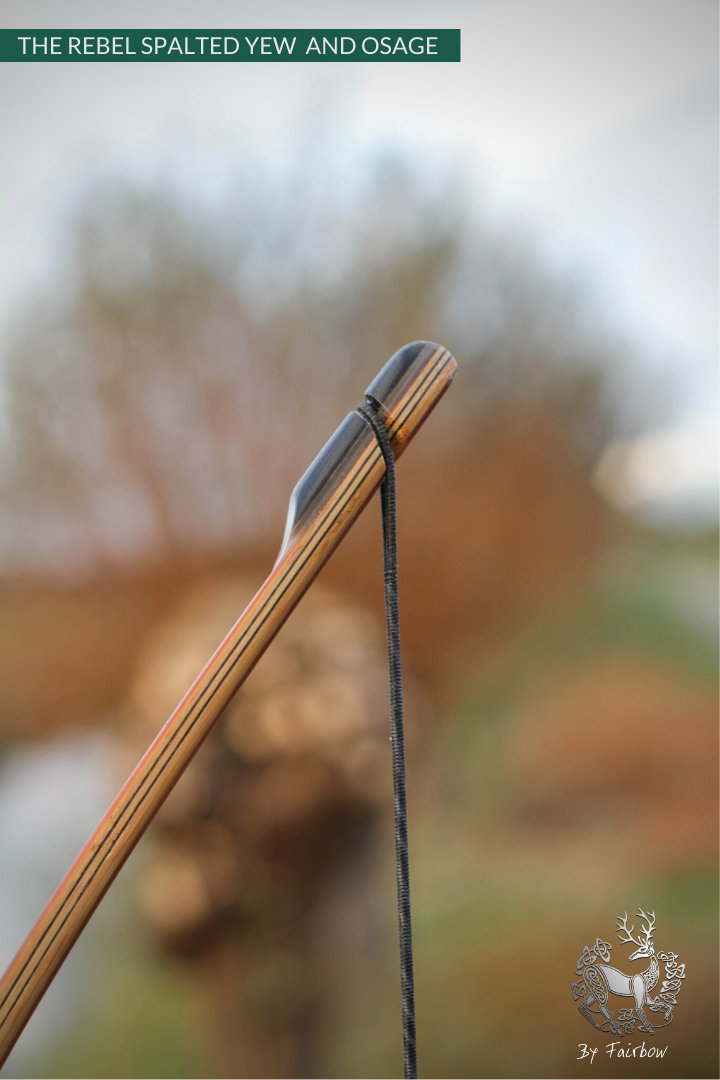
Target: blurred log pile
(285,792)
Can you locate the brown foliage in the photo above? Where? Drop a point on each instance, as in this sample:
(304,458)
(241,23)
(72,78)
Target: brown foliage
(631,747)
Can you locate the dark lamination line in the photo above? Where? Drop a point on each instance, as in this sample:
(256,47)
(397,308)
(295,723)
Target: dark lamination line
(187,724)
(429,376)
(242,643)
(234,655)
(357,474)
(407,410)
(189,721)
(106,848)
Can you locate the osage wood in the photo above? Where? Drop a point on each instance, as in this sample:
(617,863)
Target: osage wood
(305,552)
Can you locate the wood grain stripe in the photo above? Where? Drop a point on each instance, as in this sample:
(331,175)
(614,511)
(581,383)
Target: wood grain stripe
(107,849)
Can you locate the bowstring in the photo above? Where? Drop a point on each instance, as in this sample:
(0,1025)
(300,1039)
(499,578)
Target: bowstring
(387,496)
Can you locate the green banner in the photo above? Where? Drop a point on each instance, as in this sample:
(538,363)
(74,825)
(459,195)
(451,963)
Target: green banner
(230,46)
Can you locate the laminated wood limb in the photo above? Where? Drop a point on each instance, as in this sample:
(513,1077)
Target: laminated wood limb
(323,506)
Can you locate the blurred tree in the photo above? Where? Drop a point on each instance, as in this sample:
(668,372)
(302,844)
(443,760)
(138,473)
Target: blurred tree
(159,407)
(163,403)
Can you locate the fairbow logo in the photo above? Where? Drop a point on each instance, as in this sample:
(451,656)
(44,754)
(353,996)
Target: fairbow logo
(598,980)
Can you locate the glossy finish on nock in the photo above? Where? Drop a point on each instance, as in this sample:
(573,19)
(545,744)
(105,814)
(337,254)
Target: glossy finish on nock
(409,378)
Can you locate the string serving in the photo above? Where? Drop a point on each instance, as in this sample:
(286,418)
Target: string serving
(387,496)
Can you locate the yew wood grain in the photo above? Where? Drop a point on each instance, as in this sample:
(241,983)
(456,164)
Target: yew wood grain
(301,559)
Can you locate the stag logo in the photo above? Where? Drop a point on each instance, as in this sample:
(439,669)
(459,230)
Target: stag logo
(598,980)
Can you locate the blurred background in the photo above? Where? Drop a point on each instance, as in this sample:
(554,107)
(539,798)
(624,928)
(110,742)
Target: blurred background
(203,267)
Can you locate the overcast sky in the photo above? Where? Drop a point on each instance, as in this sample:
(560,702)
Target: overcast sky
(592,123)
